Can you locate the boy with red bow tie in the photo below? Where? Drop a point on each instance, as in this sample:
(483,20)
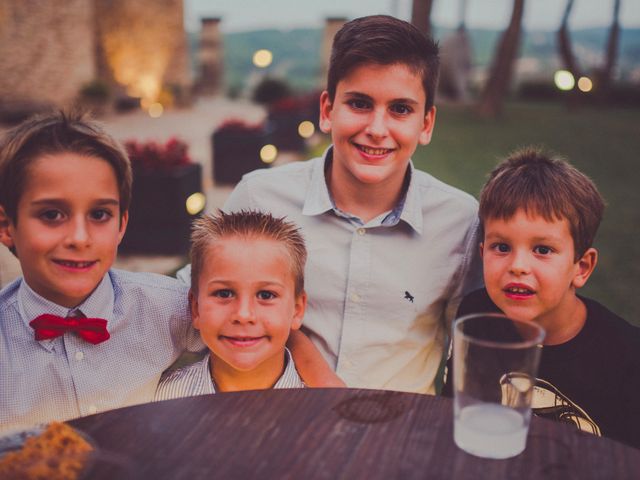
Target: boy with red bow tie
(77,337)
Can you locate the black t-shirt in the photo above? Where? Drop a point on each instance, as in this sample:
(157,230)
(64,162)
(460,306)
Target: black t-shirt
(591,381)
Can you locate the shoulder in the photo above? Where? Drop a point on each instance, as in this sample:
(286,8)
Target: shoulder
(294,171)
(150,292)
(185,381)
(440,194)
(611,325)
(146,282)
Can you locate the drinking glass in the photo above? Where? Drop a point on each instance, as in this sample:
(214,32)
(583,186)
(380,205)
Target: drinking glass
(495,363)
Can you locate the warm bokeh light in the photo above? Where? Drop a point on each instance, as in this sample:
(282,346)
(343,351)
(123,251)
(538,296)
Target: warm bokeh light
(155,110)
(268,153)
(564,80)
(195,203)
(585,84)
(306,129)
(262,58)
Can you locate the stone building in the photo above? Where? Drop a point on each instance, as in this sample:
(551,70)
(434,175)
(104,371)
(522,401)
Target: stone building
(51,49)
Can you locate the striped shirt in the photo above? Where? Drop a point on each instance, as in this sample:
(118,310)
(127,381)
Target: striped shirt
(65,377)
(195,380)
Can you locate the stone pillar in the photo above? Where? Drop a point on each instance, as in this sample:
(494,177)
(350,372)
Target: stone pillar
(331,27)
(211,57)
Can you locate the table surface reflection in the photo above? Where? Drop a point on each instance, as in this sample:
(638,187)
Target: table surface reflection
(328,433)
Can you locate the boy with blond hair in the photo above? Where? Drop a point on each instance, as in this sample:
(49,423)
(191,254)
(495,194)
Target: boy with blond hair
(247,294)
(77,337)
(540,216)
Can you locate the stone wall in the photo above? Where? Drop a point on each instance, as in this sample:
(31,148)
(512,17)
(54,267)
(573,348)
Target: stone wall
(50,49)
(47,50)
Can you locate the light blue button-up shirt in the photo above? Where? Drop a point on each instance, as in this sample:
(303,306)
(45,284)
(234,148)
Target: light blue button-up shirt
(66,377)
(381,294)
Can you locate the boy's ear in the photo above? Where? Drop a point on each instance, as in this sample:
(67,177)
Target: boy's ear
(585,267)
(298,313)
(325,110)
(5,231)
(481,247)
(124,220)
(193,306)
(427,127)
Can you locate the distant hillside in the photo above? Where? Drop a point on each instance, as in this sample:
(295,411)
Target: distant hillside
(297,52)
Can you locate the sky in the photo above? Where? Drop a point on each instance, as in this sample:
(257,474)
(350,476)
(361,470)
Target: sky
(243,15)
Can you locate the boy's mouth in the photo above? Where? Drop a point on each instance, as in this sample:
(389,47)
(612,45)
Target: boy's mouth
(376,152)
(242,341)
(518,291)
(75,264)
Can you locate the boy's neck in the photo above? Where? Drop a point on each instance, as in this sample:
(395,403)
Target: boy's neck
(561,330)
(228,379)
(365,201)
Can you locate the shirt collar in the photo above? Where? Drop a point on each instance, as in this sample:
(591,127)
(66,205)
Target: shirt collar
(319,199)
(288,373)
(98,305)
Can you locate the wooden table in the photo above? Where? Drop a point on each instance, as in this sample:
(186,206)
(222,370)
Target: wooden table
(328,434)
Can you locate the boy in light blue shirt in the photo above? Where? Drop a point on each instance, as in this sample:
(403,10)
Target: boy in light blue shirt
(77,337)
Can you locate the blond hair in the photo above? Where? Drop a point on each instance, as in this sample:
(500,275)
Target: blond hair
(247,224)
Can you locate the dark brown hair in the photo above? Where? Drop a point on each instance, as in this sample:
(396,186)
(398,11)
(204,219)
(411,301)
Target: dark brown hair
(247,224)
(383,40)
(51,134)
(548,186)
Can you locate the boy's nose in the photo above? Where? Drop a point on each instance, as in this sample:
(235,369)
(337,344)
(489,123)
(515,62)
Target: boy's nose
(245,311)
(519,264)
(377,126)
(78,234)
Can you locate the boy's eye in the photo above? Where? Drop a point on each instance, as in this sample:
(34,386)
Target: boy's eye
(401,108)
(101,215)
(500,247)
(52,215)
(266,295)
(543,250)
(358,104)
(223,293)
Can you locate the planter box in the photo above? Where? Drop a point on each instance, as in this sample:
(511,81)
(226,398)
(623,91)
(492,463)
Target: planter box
(236,153)
(158,219)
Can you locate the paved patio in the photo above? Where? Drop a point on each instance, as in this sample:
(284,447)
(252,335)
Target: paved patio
(194,125)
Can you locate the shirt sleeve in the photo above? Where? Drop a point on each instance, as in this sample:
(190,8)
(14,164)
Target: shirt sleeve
(469,275)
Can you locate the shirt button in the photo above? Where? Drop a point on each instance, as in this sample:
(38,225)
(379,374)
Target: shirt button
(79,356)
(355,297)
(93,409)
(361,231)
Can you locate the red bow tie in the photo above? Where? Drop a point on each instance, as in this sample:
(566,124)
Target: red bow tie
(93,330)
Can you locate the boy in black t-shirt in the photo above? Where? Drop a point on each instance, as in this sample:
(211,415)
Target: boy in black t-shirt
(539,217)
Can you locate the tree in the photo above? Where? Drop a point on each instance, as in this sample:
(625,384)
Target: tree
(605,74)
(497,85)
(421,15)
(565,48)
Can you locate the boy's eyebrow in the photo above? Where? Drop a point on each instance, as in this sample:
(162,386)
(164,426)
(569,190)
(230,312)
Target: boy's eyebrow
(62,202)
(545,238)
(364,96)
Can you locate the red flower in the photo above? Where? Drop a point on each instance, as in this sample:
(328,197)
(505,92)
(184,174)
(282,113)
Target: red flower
(151,155)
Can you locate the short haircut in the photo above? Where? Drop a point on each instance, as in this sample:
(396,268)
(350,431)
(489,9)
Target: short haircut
(246,224)
(51,134)
(384,40)
(547,186)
